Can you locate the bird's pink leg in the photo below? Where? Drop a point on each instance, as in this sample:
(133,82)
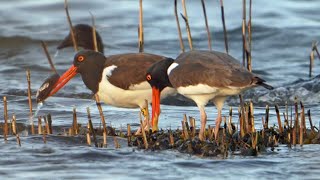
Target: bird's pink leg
(218,101)
(218,123)
(203,116)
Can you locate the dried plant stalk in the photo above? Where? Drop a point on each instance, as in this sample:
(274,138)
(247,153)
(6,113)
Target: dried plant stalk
(49,119)
(45,49)
(242,118)
(145,142)
(129,134)
(224,27)
(244,32)
(178,25)
(14,124)
(311,57)
(91,128)
(103,121)
(30,101)
(279,119)
(94,33)
(252,117)
(75,46)
(39,125)
(266,125)
(5,116)
(310,121)
(249,60)
(206,22)
(74,122)
(88,135)
(141,38)
(185,17)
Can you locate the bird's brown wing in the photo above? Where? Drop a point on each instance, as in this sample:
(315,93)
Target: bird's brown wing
(211,68)
(131,68)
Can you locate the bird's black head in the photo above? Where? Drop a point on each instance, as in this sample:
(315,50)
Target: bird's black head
(157,74)
(84,38)
(90,64)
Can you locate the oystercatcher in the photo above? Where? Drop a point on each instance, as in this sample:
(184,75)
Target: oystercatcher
(202,76)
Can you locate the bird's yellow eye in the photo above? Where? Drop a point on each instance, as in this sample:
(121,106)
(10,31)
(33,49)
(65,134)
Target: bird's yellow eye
(80,58)
(148,77)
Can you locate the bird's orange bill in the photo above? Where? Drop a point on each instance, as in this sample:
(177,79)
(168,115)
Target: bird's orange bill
(69,74)
(155,107)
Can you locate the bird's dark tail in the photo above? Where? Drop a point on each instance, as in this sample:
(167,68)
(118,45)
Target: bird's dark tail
(261,82)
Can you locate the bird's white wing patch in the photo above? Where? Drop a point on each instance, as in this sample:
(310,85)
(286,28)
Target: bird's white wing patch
(108,70)
(171,67)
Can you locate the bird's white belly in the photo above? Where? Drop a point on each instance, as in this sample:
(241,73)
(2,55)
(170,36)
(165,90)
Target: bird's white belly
(202,93)
(118,97)
(134,97)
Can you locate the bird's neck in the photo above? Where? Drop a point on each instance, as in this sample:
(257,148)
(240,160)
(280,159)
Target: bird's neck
(91,77)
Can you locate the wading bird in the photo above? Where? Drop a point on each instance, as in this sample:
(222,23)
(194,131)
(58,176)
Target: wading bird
(202,76)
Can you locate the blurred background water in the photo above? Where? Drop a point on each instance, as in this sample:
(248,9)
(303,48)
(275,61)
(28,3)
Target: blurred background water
(282,35)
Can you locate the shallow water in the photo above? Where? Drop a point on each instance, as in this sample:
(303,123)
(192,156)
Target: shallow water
(282,35)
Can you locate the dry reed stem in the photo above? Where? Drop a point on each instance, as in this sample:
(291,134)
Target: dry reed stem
(45,49)
(311,57)
(14,124)
(310,121)
(193,125)
(184,129)
(185,17)
(44,133)
(141,38)
(178,25)
(230,121)
(252,117)
(145,141)
(279,119)
(5,116)
(94,33)
(296,122)
(49,119)
(247,118)
(103,121)
(242,118)
(75,46)
(244,33)
(249,63)
(303,117)
(287,111)
(286,124)
(267,117)
(30,100)
(224,28)
(88,135)
(129,134)
(74,122)
(207,26)
(91,128)
(39,125)
(302,123)
(14,129)
(46,124)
